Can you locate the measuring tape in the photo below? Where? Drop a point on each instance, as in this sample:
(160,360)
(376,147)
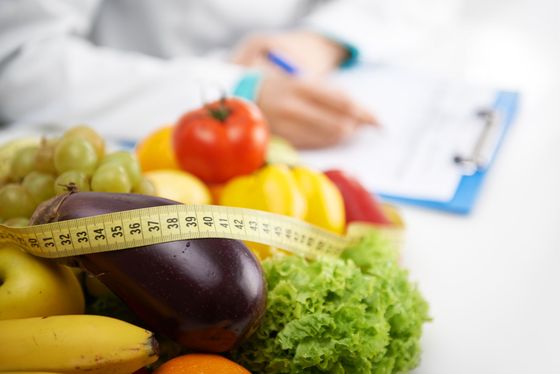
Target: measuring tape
(139,227)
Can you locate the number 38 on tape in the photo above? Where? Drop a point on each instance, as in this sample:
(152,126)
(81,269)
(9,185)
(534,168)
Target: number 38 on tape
(134,228)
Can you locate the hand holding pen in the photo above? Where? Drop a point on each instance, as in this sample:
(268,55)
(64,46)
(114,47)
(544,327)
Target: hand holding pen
(302,106)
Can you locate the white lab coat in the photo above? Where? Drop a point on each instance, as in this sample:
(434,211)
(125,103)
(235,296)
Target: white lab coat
(136,64)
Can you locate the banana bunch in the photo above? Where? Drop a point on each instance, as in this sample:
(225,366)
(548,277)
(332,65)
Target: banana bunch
(74,344)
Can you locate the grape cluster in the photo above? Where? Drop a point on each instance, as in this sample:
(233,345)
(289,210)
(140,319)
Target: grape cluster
(76,161)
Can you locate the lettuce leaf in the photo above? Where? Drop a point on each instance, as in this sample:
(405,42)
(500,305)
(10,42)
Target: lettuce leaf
(331,315)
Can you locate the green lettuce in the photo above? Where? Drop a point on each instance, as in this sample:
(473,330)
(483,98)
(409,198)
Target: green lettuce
(355,314)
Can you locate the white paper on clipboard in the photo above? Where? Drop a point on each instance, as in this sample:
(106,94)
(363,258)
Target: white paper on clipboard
(426,122)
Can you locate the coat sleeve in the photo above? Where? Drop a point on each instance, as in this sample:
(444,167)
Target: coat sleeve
(49,71)
(374,30)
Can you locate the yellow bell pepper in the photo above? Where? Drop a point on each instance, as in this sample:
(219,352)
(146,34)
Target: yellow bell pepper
(325,206)
(272,189)
(299,192)
(242,192)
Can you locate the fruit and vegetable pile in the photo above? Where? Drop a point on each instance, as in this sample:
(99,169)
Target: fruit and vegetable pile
(202,305)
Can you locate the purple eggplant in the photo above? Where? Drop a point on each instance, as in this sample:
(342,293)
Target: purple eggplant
(206,294)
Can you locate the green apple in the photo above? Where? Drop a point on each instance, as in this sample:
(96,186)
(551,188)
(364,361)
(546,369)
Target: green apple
(33,287)
(280,151)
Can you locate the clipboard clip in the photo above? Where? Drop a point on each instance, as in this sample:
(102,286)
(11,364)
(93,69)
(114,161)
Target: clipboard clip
(485,145)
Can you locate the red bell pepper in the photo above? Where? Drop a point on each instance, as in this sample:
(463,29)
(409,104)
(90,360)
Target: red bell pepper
(359,203)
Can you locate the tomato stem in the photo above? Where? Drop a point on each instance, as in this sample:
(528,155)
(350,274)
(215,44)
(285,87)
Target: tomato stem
(222,112)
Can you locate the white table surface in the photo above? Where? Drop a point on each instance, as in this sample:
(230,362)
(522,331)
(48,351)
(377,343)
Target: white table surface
(492,278)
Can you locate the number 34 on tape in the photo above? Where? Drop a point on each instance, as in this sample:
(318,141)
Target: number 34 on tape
(139,227)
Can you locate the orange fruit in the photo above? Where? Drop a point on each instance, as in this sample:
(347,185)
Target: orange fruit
(156,150)
(201,363)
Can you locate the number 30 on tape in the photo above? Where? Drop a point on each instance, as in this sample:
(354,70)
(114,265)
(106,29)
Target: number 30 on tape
(134,228)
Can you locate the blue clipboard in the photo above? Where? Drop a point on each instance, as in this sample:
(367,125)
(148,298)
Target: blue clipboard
(506,105)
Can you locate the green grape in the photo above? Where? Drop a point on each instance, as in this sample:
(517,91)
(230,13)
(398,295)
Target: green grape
(44,160)
(15,201)
(71,180)
(144,187)
(23,162)
(75,154)
(111,177)
(89,134)
(128,161)
(17,222)
(39,185)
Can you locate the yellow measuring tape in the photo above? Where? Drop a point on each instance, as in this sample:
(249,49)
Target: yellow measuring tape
(139,227)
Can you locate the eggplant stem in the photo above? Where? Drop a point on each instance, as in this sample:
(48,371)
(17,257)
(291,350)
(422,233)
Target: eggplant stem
(47,213)
(70,187)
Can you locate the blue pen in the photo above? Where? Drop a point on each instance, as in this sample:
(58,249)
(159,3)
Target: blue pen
(282,63)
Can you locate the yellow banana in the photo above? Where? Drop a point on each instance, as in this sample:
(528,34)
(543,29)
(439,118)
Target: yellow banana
(75,344)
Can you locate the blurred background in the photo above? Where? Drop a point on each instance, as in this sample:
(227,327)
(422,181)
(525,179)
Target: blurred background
(496,311)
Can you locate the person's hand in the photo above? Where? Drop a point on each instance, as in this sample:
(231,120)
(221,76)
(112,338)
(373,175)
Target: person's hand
(313,53)
(308,112)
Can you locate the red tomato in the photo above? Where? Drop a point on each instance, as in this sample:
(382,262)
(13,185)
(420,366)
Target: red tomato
(359,203)
(221,140)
